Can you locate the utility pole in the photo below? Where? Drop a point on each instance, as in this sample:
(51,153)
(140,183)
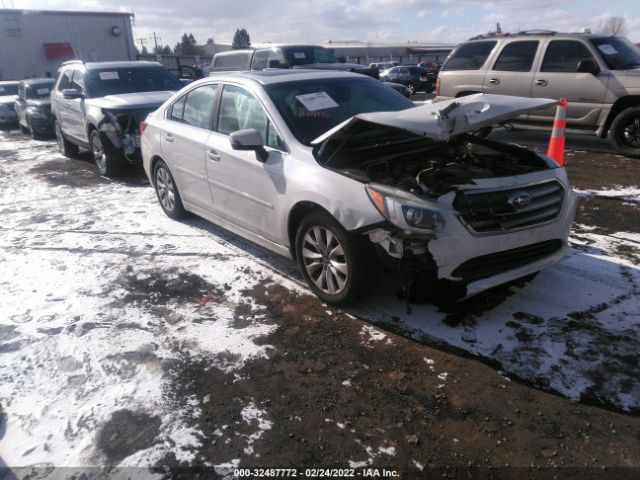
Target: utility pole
(141,40)
(155,40)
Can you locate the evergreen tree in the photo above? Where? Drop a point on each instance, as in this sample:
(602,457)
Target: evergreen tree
(241,39)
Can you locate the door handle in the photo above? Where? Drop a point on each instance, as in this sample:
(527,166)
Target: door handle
(494,81)
(168,137)
(542,83)
(213,155)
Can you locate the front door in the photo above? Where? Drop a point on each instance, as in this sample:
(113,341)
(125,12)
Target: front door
(558,76)
(247,191)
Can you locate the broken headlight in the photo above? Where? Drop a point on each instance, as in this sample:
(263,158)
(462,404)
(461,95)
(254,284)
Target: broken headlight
(403,209)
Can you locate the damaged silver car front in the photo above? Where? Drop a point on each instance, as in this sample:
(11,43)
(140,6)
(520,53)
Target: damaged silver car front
(461,212)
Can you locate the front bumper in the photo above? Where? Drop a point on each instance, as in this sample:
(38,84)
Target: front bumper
(8,118)
(41,125)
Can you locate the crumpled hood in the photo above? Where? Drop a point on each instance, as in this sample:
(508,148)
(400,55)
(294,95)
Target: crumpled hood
(8,99)
(130,101)
(443,120)
(40,102)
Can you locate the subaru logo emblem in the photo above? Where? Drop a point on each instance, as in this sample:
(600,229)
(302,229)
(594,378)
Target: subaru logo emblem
(519,200)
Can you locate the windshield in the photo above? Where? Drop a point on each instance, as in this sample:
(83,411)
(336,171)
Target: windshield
(9,89)
(618,53)
(311,107)
(307,55)
(114,81)
(39,90)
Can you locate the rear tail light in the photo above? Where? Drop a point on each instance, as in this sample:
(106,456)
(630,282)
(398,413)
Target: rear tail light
(438,87)
(143,125)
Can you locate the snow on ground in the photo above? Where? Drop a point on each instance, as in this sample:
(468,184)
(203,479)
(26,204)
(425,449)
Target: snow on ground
(630,194)
(99,290)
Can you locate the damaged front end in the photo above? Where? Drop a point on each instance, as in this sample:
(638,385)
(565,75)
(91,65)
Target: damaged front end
(461,213)
(122,129)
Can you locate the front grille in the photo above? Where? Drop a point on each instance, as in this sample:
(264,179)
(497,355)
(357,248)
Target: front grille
(495,263)
(494,210)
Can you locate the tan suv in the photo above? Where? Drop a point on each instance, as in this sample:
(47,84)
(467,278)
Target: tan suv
(599,75)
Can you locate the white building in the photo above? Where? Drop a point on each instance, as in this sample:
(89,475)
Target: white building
(33,43)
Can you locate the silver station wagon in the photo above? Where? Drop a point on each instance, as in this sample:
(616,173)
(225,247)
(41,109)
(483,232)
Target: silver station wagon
(346,176)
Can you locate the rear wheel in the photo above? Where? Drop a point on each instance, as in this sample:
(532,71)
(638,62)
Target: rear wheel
(103,156)
(167,191)
(339,267)
(624,134)
(68,149)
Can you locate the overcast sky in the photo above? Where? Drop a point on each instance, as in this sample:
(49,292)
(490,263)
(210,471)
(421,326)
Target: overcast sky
(444,21)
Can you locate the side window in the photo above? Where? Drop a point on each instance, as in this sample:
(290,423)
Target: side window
(517,57)
(260,60)
(199,106)
(177,109)
(77,81)
(240,110)
(404,71)
(564,56)
(275,59)
(65,80)
(469,56)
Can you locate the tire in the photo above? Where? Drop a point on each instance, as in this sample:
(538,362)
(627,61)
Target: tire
(167,191)
(339,267)
(68,149)
(106,160)
(624,133)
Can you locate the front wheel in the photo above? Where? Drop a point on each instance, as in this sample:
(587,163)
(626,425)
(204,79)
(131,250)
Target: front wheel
(412,88)
(624,134)
(103,156)
(167,191)
(339,267)
(68,149)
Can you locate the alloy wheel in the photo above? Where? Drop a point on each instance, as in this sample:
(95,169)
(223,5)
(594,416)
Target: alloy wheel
(631,133)
(324,260)
(98,152)
(165,189)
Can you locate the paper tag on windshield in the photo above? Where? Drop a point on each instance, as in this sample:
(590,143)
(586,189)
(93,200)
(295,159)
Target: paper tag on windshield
(42,91)
(299,55)
(607,49)
(109,76)
(317,101)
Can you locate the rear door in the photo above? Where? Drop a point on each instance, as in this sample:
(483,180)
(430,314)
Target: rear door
(558,76)
(185,131)
(247,192)
(512,70)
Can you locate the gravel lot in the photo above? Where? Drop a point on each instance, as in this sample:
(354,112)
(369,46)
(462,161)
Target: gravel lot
(130,340)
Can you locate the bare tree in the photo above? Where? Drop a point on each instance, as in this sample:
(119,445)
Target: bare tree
(614,26)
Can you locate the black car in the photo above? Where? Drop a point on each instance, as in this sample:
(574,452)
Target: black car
(398,87)
(33,106)
(8,95)
(415,78)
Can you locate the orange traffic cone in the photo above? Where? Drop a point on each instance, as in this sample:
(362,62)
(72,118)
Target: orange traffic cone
(556,143)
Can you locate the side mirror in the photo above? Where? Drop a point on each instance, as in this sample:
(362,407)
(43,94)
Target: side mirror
(588,66)
(249,139)
(71,93)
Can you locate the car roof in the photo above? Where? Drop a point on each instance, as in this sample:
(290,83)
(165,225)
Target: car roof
(269,77)
(34,81)
(98,65)
(10,82)
(538,34)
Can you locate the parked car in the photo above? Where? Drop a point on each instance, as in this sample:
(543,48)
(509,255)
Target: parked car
(340,173)
(598,74)
(432,68)
(33,106)
(285,56)
(414,78)
(382,66)
(99,106)
(398,87)
(8,95)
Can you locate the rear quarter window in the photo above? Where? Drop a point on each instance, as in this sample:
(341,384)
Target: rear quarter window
(469,56)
